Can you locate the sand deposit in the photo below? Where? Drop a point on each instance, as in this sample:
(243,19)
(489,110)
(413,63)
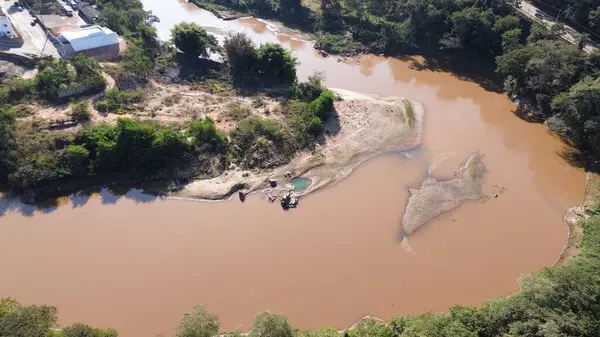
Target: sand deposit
(435,197)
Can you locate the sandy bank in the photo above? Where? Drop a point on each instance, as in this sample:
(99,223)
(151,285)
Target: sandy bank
(363,127)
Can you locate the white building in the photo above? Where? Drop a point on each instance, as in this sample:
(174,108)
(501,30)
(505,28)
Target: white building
(95,41)
(6,28)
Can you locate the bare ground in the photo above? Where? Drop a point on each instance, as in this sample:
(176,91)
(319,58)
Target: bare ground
(365,126)
(168,103)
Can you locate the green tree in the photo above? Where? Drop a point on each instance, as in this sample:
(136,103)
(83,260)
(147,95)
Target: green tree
(577,114)
(582,40)
(472,30)
(511,40)
(506,23)
(137,61)
(134,146)
(198,323)
(206,134)
(309,90)
(539,32)
(26,321)
(193,40)
(267,324)
(170,147)
(275,64)
(241,55)
(8,144)
(82,330)
(323,106)
(77,157)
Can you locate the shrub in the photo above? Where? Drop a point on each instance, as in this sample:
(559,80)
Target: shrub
(323,106)
(19,88)
(206,134)
(81,111)
(248,130)
(316,126)
(56,76)
(81,330)
(198,323)
(77,157)
(193,40)
(117,101)
(267,324)
(241,55)
(270,64)
(237,112)
(308,91)
(275,65)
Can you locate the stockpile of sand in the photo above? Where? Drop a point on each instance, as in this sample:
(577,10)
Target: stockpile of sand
(435,197)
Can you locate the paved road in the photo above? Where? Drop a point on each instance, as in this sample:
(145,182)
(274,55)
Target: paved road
(571,35)
(34,36)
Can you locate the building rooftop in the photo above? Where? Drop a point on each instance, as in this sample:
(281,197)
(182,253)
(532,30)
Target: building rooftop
(89,37)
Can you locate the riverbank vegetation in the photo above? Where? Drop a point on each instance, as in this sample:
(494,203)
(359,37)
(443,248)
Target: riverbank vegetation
(554,79)
(557,301)
(55,81)
(86,147)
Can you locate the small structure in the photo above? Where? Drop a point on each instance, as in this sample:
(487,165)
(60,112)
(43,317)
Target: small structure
(95,41)
(89,14)
(6,28)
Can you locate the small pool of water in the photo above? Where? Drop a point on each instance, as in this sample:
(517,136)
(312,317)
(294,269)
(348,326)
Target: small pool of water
(301,183)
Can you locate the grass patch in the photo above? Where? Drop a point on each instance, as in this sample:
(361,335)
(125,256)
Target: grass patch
(117,101)
(409,113)
(171,100)
(236,112)
(81,111)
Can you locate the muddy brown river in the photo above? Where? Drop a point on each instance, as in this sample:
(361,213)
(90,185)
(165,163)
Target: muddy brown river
(136,263)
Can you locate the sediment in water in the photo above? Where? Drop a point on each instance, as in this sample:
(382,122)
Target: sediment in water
(435,197)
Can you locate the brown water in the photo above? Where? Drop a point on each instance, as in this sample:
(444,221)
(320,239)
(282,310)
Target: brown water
(137,263)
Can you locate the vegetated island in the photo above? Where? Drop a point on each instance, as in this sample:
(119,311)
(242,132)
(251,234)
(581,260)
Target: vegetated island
(364,126)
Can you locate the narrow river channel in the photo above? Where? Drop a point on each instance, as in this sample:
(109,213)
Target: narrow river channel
(136,263)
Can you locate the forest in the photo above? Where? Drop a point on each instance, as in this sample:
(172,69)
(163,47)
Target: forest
(584,14)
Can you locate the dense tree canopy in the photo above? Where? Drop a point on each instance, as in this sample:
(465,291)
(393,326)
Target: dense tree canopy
(269,64)
(193,40)
(267,324)
(584,13)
